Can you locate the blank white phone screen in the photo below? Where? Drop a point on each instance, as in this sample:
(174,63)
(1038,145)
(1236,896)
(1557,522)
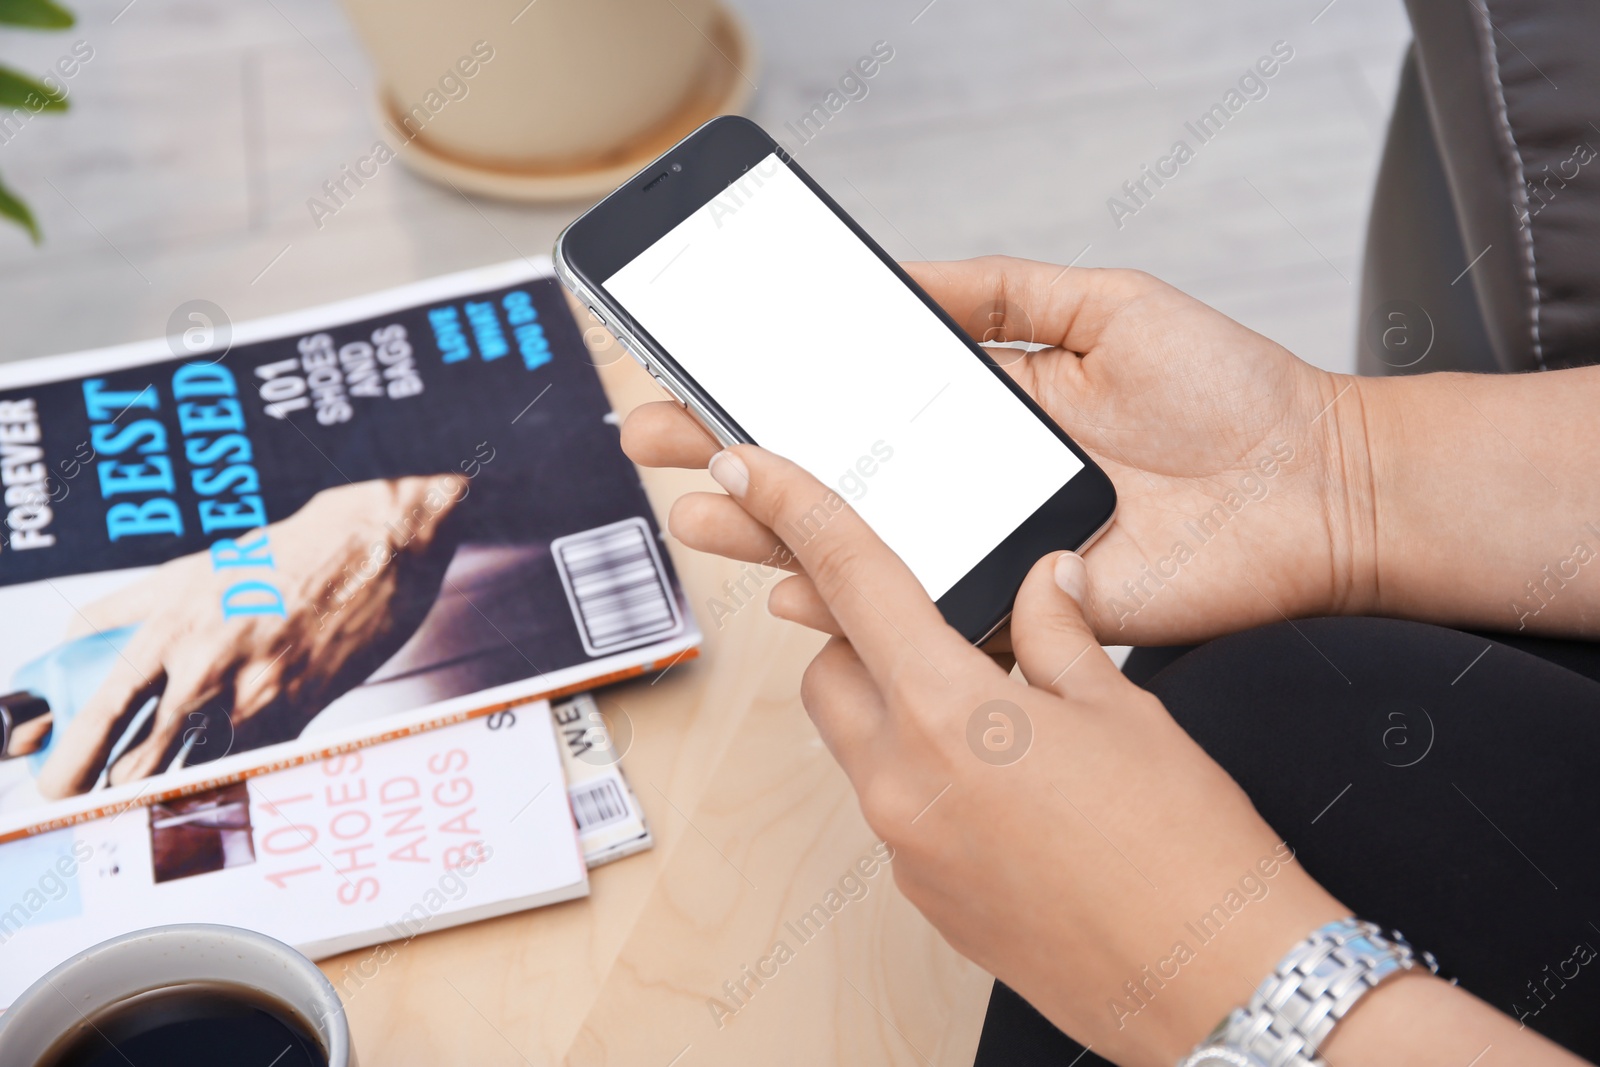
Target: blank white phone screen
(812,345)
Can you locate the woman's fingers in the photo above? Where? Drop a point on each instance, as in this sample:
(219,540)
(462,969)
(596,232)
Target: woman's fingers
(842,699)
(711,522)
(879,604)
(662,434)
(1053,644)
(998,298)
(795,599)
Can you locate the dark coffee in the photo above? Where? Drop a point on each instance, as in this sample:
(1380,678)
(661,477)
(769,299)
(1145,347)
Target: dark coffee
(199,1024)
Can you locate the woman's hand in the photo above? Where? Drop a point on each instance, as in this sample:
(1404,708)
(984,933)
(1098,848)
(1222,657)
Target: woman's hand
(1241,471)
(1064,833)
(355,572)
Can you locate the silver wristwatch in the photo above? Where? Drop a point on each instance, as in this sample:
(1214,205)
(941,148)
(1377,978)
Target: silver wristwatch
(1312,988)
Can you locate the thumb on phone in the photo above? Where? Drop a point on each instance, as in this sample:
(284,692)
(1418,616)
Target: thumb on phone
(1053,643)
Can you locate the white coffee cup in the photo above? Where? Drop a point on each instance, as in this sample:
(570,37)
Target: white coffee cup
(112,971)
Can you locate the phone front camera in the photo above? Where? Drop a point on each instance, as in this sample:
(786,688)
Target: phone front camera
(677,168)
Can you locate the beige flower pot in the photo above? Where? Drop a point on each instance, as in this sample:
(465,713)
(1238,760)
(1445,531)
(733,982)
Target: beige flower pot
(552,99)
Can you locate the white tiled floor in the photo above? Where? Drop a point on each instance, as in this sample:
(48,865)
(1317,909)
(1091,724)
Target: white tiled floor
(199,131)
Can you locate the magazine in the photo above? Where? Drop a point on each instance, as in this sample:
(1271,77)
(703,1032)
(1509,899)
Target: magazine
(371,846)
(229,551)
(610,821)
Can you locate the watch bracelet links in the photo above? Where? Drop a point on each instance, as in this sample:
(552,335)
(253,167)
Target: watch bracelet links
(1312,988)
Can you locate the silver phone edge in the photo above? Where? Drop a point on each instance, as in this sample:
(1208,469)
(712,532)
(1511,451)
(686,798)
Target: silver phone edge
(634,347)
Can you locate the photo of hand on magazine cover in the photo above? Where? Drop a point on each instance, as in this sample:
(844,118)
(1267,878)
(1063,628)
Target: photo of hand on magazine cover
(357,568)
(286,539)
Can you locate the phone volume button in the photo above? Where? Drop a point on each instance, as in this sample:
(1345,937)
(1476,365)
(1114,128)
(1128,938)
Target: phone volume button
(628,345)
(673,393)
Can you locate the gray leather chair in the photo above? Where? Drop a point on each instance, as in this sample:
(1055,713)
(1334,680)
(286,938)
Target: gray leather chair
(1493,164)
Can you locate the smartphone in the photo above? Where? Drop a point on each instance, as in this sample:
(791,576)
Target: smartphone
(776,320)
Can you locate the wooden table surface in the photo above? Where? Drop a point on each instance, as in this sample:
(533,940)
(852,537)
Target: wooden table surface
(755,825)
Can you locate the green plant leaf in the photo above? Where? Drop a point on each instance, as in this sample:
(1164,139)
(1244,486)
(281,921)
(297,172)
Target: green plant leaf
(15,210)
(19,90)
(38,14)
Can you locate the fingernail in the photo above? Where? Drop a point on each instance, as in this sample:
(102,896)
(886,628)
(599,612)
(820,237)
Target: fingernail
(1071,575)
(730,472)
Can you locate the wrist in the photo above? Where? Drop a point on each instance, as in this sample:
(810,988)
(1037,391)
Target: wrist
(1409,1016)
(1209,968)
(1419,1018)
(1246,956)
(1382,1026)
(1303,1001)
(1350,429)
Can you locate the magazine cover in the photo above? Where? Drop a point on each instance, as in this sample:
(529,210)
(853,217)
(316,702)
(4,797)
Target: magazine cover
(376,845)
(230,550)
(609,818)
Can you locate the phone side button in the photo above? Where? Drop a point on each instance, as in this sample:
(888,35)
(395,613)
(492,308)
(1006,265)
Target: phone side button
(601,319)
(628,348)
(663,383)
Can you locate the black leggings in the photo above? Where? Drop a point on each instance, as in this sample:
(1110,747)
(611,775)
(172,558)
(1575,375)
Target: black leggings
(1437,782)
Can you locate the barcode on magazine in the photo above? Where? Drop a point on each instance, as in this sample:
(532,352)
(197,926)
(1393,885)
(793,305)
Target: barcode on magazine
(598,803)
(616,586)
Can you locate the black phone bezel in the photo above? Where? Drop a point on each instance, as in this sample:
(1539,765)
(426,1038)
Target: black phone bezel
(702,167)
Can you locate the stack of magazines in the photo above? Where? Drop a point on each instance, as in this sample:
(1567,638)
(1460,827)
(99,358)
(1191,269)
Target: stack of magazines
(299,620)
